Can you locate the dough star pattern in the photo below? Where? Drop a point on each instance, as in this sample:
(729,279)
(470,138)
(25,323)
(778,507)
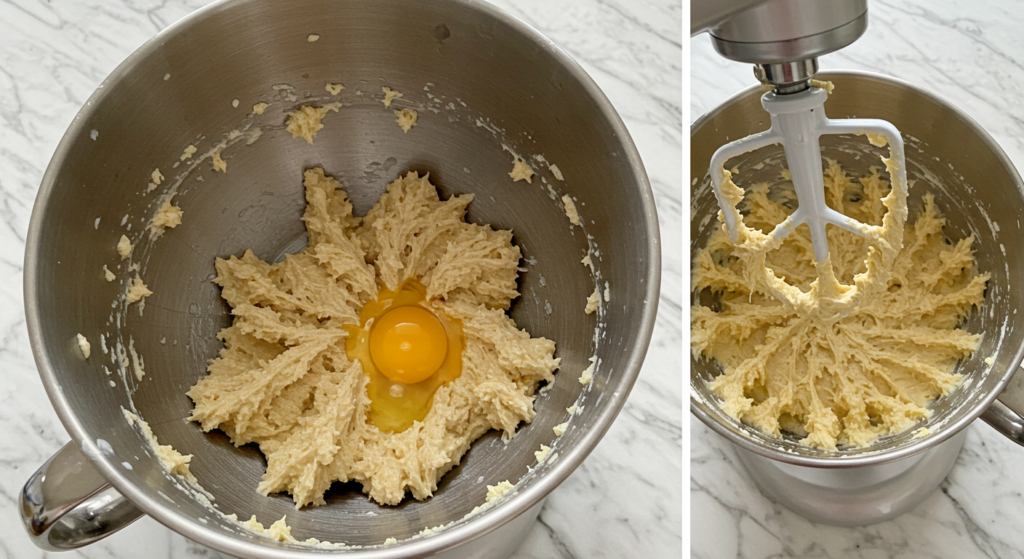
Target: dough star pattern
(284,381)
(841,382)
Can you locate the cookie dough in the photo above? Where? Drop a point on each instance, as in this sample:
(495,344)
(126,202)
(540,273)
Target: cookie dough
(306,121)
(137,290)
(167,217)
(406,119)
(124,247)
(284,381)
(172,460)
(593,301)
(837,381)
(389,95)
(570,210)
(495,492)
(521,171)
(84,345)
(588,374)
(218,163)
(279,530)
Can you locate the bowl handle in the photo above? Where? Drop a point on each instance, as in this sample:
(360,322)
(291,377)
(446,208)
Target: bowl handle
(67,504)
(1006,414)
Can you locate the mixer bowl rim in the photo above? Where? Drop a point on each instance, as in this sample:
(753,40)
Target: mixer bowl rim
(475,527)
(700,408)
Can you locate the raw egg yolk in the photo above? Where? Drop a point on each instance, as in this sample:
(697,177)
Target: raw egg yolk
(408,350)
(408,344)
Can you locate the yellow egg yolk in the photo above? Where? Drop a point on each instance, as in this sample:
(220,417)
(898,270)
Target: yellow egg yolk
(408,344)
(408,349)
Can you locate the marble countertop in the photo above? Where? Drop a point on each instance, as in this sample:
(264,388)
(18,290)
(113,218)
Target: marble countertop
(970,54)
(53,54)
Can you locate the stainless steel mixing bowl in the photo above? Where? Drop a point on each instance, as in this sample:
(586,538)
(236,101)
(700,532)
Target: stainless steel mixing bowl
(978,191)
(485,85)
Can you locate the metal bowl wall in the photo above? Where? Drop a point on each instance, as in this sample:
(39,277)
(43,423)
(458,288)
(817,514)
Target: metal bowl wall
(500,85)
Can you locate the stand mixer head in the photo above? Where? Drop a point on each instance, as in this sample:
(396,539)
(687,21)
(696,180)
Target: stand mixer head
(783,39)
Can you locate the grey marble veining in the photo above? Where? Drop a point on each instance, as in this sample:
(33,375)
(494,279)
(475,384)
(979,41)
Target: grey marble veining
(626,498)
(970,54)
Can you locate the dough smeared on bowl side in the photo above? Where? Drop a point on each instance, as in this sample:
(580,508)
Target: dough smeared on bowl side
(124,247)
(172,460)
(167,217)
(306,121)
(136,290)
(406,119)
(521,171)
(389,95)
(593,301)
(570,210)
